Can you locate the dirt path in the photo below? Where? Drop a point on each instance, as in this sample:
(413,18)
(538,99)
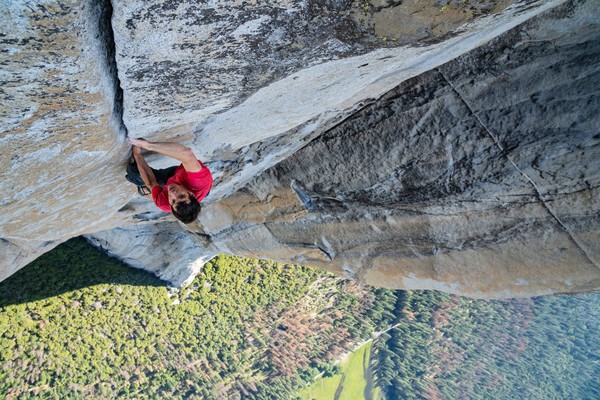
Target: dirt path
(339,389)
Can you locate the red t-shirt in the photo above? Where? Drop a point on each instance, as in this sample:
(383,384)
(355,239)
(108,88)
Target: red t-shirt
(198,183)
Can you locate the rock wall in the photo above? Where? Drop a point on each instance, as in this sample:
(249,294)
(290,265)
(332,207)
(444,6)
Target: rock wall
(61,143)
(474,198)
(445,156)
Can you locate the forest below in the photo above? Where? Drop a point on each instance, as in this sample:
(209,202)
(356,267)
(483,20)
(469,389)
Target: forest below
(451,347)
(77,324)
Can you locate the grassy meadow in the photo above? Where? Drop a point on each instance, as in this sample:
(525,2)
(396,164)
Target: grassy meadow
(349,384)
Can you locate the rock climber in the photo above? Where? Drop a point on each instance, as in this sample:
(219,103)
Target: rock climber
(178,189)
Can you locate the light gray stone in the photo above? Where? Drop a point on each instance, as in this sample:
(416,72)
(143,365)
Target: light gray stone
(61,142)
(203,73)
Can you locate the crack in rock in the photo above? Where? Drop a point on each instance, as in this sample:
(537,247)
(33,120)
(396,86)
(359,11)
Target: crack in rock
(511,161)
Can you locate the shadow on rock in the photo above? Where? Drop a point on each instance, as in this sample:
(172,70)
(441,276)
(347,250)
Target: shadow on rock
(72,265)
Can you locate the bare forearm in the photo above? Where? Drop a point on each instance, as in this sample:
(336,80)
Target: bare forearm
(145,171)
(174,150)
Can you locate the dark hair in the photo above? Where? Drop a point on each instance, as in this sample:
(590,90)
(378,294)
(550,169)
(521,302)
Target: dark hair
(187,212)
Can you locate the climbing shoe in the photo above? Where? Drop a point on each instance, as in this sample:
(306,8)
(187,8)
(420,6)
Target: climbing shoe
(143,190)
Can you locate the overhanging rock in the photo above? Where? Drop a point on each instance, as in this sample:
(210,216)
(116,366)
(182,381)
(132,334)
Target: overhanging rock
(480,177)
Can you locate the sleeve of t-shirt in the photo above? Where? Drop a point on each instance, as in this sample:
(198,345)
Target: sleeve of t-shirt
(199,182)
(159,195)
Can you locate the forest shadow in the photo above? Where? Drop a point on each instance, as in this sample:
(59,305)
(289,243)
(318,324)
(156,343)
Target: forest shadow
(72,265)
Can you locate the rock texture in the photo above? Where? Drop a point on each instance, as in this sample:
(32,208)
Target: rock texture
(465,162)
(61,140)
(183,62)
(242,111)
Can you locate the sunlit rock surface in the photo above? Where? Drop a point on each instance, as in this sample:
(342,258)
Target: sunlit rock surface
(456,150)
(61,142)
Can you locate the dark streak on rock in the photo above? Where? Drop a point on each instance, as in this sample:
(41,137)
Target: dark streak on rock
(104,11)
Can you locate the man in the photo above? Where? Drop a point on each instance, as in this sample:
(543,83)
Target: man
(177,189)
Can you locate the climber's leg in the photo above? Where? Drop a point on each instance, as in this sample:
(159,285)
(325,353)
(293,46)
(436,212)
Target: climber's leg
(162,175)
(133,176)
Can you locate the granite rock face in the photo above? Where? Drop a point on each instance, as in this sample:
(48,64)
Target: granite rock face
(439,156)
(61,140)
(247,85)
(470,184)
(181,62)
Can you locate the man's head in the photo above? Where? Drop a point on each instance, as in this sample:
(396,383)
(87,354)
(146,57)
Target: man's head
(184,205)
